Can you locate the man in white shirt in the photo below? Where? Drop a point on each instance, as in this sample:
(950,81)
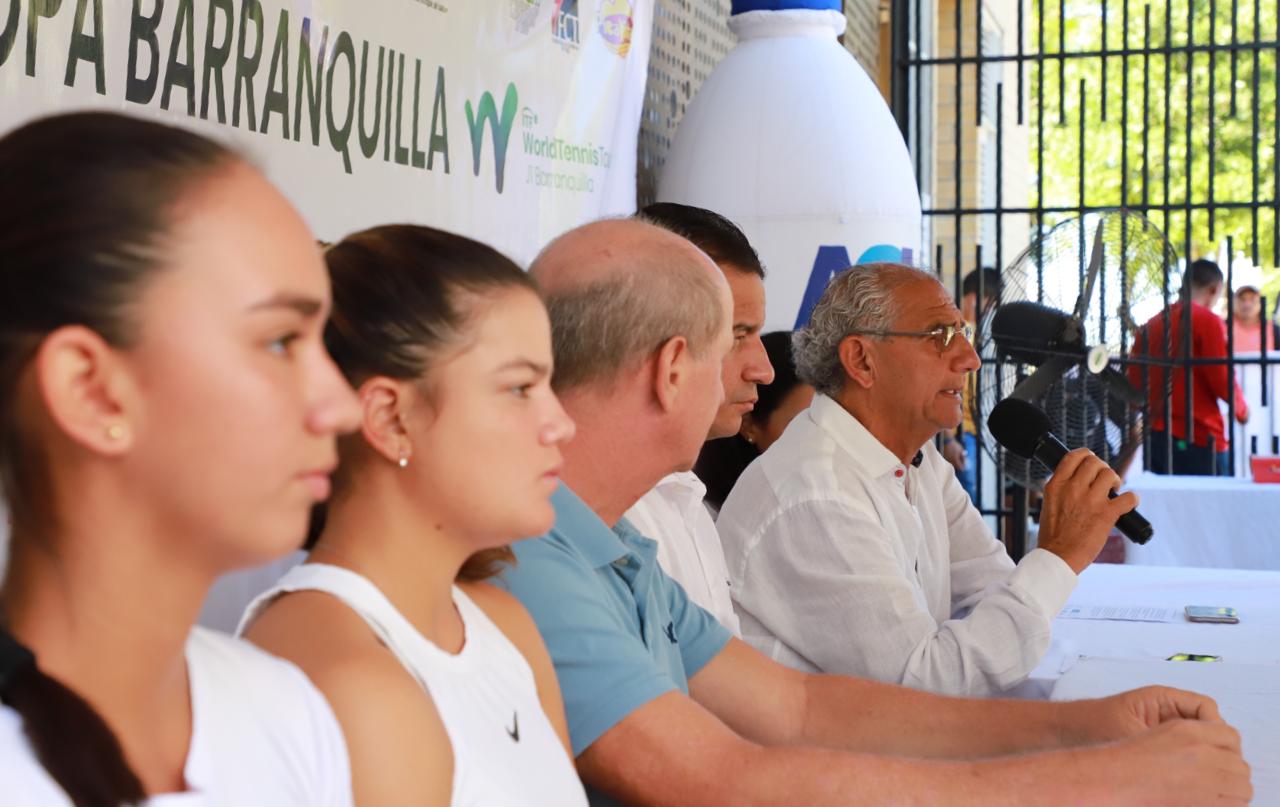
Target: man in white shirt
(672,513)
(851,545)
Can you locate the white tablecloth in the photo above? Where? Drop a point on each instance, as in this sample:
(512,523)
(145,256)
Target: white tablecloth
(1093,658)
(1247,695)
(1256,640)
(1207,522)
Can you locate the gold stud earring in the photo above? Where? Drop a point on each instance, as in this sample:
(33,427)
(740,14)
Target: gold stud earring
(115,431)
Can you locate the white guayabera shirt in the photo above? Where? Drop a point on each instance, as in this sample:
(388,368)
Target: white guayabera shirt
(689,550)
(844,560)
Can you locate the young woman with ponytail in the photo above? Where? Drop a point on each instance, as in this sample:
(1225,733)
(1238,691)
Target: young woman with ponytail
(440,680)
(167,413)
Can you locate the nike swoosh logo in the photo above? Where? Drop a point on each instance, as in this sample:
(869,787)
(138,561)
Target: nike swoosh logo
(514,731)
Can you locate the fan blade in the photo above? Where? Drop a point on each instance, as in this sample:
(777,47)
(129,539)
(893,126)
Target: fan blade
(1091,276)
(1120,386)
(1034,386)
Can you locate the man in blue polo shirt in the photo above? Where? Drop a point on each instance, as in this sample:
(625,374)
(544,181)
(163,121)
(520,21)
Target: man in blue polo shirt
(664,706)
(604,672)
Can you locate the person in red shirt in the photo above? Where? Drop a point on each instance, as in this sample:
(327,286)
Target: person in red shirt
(1204,451)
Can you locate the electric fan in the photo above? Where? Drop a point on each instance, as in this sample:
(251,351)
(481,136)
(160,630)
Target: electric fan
(1069,310)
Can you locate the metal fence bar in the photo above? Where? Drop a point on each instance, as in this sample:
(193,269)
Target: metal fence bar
(1086,55)
(1262,204)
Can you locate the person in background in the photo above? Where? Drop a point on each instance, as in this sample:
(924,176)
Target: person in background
(722,461)
(961,447)
(167,413)
(664,705)
(673,513)
(440,680)
(1203,451)
(1248,332)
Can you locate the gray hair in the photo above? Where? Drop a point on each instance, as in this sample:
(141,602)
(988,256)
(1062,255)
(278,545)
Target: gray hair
(860,298)
(602,328)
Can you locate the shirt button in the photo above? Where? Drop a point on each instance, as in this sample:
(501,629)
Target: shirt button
(899,473)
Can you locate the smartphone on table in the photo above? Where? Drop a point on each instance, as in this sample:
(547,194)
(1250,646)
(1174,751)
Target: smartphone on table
(1212,613)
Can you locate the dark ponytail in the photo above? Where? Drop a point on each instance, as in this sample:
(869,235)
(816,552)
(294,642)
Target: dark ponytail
(88,202)
(71,741)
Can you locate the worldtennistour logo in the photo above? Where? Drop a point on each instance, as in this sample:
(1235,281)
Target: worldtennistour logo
(485,114)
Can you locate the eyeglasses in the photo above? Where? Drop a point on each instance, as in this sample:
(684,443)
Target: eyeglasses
(943,335)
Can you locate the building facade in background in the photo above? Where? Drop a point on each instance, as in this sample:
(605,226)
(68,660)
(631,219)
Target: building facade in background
(962,170)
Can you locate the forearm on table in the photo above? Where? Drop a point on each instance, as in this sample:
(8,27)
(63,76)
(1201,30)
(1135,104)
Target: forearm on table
(869,716)
(820,777)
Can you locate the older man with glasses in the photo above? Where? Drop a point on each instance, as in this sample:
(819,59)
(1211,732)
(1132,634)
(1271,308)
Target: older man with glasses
(851,546)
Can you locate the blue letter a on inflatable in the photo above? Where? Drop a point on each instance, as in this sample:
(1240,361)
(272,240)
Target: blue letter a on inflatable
(830,262)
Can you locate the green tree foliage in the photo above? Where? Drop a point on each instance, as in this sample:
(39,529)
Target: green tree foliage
(1160,73)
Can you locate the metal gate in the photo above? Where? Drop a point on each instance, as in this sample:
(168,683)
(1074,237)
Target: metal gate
(1166,107)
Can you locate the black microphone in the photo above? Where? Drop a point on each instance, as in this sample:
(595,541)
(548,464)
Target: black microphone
(1025,430)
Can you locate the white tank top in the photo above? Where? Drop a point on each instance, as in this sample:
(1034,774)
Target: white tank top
(505,751)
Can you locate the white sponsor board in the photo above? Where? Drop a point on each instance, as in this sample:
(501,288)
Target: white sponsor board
(507,120)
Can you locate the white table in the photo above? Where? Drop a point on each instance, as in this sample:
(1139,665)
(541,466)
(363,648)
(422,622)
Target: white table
(1248,697)
(1093,658)
(1207,522)
(1256,640)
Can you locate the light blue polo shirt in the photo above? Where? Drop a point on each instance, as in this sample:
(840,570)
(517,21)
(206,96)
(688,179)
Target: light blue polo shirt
(619,631)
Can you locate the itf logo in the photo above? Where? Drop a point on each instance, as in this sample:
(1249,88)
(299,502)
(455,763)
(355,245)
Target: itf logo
(831,261)
(564,24)
(486,112)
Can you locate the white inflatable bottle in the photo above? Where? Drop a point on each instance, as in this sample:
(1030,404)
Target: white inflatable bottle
(790,139)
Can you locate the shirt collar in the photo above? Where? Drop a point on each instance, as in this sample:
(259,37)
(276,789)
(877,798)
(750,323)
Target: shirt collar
(849,433)
(685,484)
(578,525)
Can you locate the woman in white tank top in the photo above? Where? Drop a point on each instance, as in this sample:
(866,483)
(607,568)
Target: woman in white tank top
(167,414)
(440,680)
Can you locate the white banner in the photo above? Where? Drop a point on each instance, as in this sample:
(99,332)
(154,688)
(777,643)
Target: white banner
(507,120)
